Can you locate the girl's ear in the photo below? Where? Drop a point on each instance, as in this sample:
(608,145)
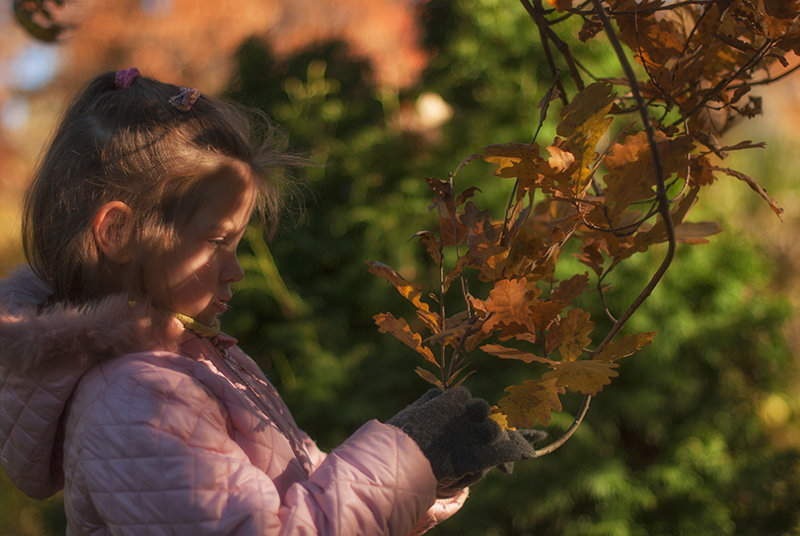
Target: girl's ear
(110,226)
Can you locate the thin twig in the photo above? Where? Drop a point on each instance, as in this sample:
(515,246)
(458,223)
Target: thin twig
(571,430)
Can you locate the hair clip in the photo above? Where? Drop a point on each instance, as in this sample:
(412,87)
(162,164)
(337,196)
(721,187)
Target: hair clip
(185,98)
(124,79)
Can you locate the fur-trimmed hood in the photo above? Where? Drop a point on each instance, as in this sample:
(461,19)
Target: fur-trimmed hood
(44,352)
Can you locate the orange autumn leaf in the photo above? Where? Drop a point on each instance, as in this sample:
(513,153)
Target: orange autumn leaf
(507,306)
(398,327)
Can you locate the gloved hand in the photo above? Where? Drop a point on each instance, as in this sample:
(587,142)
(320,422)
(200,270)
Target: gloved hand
(462,443)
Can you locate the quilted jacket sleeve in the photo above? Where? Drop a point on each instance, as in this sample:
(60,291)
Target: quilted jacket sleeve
(153,451)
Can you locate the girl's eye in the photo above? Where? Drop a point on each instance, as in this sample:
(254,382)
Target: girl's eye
(218,242)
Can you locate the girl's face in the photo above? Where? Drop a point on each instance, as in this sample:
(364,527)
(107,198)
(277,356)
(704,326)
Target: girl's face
(195,277)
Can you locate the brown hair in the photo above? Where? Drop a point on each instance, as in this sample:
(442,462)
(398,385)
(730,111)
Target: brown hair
(131,145)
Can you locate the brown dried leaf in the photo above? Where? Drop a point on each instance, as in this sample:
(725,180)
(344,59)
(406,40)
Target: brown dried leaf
(696,232)
(591,256)
(431,245)
(508,304)
(530,404)
(570,289)
(585,376)
(411,291)
(572,333)
(504,352)
(625,346)
(756,187)
(520,160)
(429,377)
(400,329)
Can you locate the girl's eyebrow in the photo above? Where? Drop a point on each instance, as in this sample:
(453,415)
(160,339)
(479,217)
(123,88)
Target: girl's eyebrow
(226,227)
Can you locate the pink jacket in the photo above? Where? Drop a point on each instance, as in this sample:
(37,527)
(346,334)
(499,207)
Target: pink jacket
(183,442)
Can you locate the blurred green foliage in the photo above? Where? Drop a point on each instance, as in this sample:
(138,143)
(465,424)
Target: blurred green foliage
(675,445)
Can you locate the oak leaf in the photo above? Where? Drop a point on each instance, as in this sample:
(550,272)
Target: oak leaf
(625,346)
(504,352)
(432,245)
(584,121)
(696,232)
(410,291)
(587,376)
(531,403)
(450,231)
(571,334)
(398,327)
(507,305)
(570,289)
(429,377)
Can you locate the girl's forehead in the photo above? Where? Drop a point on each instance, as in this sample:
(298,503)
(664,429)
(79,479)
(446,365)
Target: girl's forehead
(229,197)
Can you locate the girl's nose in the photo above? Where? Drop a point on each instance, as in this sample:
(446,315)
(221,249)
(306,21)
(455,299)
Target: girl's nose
(233,270)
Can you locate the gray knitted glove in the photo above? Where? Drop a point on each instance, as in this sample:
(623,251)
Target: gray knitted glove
(462,443)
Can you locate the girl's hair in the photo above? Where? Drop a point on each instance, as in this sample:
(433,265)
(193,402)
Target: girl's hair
(129,144)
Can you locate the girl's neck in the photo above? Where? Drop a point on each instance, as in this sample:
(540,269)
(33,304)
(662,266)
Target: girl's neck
(204,330)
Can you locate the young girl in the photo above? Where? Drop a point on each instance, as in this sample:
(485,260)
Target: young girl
(116,383)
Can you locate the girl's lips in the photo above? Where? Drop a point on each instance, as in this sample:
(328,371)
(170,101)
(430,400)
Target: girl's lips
(220,305)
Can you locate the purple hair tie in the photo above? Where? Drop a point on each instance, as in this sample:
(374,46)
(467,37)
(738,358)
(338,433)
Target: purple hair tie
(124,79)
(185,98)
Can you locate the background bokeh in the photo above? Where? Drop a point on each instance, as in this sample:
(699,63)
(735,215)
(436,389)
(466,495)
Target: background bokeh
(699,434)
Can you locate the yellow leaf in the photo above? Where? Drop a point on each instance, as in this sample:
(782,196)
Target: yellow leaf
(625,346)
(519,160)
(584,121)
(531,403)
(497,416)
(398,327)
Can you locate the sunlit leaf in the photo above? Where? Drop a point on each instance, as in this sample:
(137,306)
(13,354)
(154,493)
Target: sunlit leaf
(508,307)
